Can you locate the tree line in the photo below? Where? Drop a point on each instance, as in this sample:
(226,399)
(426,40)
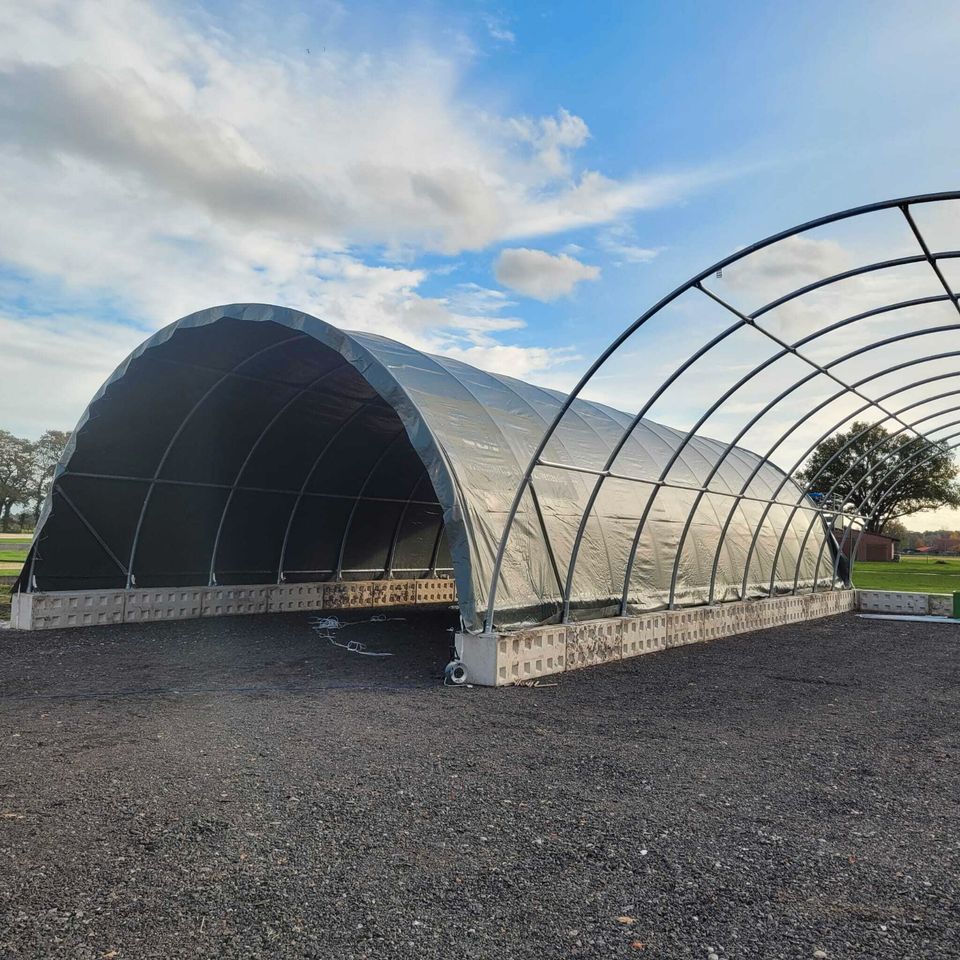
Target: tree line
(932,541)
(26,472)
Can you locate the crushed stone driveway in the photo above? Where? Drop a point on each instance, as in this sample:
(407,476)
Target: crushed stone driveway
(243,788)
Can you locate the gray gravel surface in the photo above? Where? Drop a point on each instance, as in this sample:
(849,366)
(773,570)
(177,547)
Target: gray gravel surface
(240,788)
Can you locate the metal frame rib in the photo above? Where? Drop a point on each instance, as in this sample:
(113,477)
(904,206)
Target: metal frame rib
(899,416)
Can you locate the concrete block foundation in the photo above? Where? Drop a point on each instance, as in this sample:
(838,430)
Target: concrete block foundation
(497,659)
(83,608)
(908,604)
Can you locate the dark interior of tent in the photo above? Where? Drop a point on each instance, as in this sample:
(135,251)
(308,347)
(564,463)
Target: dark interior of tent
(239,452)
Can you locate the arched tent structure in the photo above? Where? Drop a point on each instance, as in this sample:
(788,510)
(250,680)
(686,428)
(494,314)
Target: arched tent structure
(252,444)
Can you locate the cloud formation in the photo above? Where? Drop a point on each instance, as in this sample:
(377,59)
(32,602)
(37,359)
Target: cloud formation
(155,164)
(538,274)
(335,149)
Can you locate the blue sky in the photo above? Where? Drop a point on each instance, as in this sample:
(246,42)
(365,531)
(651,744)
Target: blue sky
(508,183)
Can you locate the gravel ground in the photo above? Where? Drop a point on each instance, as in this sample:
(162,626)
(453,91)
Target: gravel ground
(240,788)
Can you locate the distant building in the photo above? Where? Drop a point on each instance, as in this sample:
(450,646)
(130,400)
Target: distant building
(872,546)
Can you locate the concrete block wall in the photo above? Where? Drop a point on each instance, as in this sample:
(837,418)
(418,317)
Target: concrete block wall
(81,608)
(908,604)
(287,597)
(940,604)
(645,634)
(496,659)
(177,603)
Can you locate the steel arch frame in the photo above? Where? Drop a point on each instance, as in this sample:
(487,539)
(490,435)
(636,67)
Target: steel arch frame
(824,436)
(818,370)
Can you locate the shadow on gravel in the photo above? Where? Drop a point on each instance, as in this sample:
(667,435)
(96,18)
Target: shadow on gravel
(258,654)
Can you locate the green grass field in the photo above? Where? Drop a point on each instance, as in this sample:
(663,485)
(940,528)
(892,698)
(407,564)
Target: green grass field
(13,549)
(912,574)
(6,583)
(12,556)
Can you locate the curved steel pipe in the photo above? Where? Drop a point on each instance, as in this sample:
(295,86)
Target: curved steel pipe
(836,426)
(637,324)
(884,493)
(819,368)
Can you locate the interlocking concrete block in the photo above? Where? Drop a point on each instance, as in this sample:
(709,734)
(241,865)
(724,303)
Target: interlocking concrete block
(593,642)
(163,603)
(234,600)
(893,601)
(347,594)
(829,603)
(846,600)
(436,591)
(940,604)
(719,621)
(480,654)
(396,593)
(646,633)
(733,621)
(21,611)
(684,626)
(533,653)
(286,597)
(772,612)
(81,608)
(750,616)
(793,609)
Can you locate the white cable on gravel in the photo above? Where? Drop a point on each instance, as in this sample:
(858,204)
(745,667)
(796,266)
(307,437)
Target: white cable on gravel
(322,626)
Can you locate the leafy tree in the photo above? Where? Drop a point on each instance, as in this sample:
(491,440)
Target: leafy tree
(16,461)
(874,475)
(46,454)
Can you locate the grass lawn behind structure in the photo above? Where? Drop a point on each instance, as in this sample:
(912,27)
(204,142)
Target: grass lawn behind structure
(913,574)
(6,582)
(14,549)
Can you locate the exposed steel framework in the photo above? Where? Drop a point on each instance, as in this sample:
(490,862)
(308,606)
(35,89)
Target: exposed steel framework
(866,338)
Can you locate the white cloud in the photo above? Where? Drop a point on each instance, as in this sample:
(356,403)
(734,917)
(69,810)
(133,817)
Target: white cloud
(620,242)
(538,274)
(334,150)
(51,367)
(158,164)
(553,139)
(497,27)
